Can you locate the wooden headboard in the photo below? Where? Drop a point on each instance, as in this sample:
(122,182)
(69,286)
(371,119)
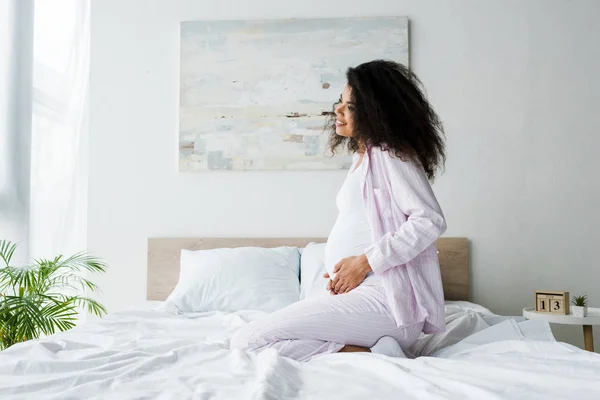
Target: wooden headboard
(164,253)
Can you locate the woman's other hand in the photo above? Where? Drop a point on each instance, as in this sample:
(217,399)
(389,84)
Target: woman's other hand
(329,284)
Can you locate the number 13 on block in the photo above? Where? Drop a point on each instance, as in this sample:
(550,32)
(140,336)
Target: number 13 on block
(552,302)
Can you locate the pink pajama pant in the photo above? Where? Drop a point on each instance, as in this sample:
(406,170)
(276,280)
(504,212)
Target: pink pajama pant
(325,325)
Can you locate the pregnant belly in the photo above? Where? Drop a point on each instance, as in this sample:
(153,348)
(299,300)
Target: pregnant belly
(345,241)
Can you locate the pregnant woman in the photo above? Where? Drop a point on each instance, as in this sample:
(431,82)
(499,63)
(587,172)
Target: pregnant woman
(384,274)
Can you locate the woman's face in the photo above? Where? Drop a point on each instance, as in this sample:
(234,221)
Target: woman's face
(344,112)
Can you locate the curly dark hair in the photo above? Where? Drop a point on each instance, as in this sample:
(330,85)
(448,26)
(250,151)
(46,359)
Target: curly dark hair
(392,112)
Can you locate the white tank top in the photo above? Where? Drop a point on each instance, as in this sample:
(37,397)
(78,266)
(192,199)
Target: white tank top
(351,234)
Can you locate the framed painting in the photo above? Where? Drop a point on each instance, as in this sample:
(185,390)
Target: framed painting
(255,95)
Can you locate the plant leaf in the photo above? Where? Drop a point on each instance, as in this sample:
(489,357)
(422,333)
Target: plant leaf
(7,249)
(92,305)
(44,297)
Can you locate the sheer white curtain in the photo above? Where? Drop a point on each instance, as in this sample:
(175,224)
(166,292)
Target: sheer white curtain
(16,59)
(60,127)
(43,152)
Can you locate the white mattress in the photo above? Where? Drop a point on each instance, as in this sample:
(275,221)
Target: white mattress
(143,354)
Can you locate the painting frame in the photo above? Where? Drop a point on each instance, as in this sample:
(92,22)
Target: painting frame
(255,94)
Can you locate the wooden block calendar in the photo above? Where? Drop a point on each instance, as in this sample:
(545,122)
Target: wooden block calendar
(552,302)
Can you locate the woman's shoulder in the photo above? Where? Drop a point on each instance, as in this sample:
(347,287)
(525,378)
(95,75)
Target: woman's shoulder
(389,159)
(389,155)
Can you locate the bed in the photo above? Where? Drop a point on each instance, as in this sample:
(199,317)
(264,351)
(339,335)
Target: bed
(155,352)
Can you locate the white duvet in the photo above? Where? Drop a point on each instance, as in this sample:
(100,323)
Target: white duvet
(157,355)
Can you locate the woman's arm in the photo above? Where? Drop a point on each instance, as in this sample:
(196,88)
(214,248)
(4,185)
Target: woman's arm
(412,193)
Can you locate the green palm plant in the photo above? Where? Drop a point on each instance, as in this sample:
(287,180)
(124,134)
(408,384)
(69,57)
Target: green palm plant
(45,297)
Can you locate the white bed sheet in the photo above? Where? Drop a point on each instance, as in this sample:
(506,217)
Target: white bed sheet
(143,354)
(464,319)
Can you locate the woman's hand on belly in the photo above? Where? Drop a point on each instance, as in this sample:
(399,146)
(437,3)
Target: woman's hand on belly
(349,273)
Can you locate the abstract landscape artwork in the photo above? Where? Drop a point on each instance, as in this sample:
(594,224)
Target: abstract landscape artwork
(254,95)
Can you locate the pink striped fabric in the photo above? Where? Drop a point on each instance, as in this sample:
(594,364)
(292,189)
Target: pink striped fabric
(406,220)
(321,326)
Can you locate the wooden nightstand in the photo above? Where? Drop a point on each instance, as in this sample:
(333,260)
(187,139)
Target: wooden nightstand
(593,318)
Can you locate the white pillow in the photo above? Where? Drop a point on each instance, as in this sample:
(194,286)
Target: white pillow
(463,319)
(460,323)
(243,278)
(312,268)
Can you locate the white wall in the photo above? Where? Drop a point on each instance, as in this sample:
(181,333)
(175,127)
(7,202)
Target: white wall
(514,81)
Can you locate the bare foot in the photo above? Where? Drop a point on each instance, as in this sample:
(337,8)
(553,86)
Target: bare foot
(354,349)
